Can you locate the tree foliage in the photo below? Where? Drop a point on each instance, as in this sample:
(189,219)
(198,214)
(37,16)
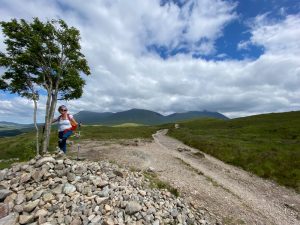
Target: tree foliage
(43,56)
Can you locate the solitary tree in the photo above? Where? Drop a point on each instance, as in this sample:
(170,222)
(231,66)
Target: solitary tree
(43,56)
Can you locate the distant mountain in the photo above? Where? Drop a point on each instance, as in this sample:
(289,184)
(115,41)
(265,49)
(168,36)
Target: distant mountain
(140,116)
(88,117)
(10,124)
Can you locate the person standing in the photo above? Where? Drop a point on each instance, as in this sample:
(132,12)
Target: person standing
(66,126)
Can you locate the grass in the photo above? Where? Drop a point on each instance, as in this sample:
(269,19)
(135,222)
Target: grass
(123,132)
(155,182)
(267,145)
(23,146)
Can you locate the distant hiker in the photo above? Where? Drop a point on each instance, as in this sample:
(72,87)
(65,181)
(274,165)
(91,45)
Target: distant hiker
(66,126)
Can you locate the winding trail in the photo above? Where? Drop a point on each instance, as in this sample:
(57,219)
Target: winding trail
(222,192)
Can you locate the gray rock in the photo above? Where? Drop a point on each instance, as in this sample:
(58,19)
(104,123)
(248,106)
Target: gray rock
(10,219)
(76,221)
(26,219)
(119,173)
(108,221)
(58,189)
(61,173)
(98,182)
(104,192)
(68,219)
(48,196)
(100,200)
(37,195)
(71,177)
(31,205)
(156,222)
(37,175)
(4,210)
(150,169)
(174,213)
(44,160)
(96,219)
(60,161)
(15,181)
(132,207)
(32,162)
(142,192)
(40,213)
(3,174)
(151,210)
(4,193)
(20,199)
(29,195)
(80,170)
(16,168)
(18,208)
(69,188)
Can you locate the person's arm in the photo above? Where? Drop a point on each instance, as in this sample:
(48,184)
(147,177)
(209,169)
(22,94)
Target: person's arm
(54,120)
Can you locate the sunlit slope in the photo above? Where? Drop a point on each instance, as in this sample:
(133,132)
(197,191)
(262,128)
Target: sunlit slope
(267,145)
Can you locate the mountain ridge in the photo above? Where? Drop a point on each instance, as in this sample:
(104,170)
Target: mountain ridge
(141,116)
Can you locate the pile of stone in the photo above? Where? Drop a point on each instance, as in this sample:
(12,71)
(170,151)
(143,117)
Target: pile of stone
(52,191)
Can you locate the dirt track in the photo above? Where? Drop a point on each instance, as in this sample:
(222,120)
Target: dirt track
(229,194)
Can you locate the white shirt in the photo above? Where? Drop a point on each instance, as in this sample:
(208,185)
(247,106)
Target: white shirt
(64,124)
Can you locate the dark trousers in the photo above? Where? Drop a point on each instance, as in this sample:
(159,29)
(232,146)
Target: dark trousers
(62,142)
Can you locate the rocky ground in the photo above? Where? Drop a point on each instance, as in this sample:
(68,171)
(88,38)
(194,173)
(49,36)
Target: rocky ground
(227,193)
(54,190)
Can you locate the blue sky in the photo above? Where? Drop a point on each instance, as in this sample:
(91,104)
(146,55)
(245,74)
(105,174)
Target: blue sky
(236,57)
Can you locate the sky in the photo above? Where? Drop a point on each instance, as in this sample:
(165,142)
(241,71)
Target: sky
(237,57)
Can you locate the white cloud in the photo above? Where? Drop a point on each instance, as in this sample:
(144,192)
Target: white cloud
(277,37)
(125,75)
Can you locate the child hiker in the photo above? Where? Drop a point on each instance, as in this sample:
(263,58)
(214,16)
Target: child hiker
(66,126)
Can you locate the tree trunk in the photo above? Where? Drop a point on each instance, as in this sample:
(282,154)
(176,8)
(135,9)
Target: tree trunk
(50,109)
(36,127)
(46,125)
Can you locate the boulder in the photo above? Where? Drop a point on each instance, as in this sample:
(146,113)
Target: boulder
(4,210)
(4,193)
(69,188)
(31,205)
(20,199)
(40,212)
(48,196)
(24,219)
(25,177)
(10,219)
(44,160)
(133,207)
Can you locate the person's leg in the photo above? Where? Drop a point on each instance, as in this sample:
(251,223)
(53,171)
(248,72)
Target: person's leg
(60,140)
(64,140)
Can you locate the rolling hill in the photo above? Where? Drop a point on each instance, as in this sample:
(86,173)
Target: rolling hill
(141,116)
(266,144)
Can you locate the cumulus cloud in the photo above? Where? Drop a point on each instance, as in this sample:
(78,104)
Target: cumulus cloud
(116,34)
(277,37)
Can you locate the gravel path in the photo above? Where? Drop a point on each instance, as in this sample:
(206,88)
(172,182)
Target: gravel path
(228,194)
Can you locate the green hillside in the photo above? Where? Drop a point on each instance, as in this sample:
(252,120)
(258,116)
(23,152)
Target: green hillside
(23,146)
(267,145)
